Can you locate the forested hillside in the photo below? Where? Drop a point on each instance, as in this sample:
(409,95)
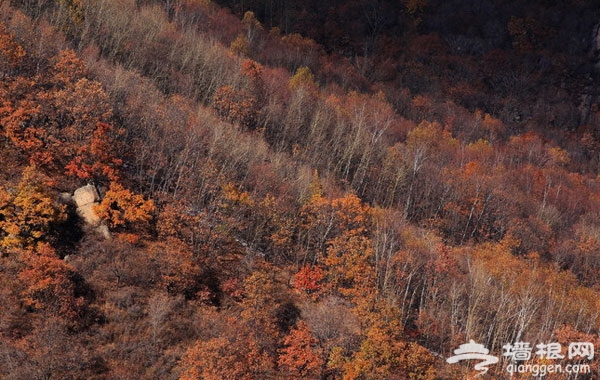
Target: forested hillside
(296,189)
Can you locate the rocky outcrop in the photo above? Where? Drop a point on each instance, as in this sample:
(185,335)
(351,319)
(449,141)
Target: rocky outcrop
(84,199)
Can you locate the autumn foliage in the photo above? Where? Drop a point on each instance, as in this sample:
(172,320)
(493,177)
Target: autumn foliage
(121,207)
(301,355)
(28,214)
(49,283)
(295,190)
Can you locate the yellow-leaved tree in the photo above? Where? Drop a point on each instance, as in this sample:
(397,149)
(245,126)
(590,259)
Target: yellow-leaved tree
(28,213)
(121,208)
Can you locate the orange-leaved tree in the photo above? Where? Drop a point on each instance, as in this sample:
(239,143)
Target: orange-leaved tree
(99,158)
(384,354)
(234,355)
(180,269)
(122,208)
(309,279)
(11,53)
(301,356)
(48,282)
(236,106)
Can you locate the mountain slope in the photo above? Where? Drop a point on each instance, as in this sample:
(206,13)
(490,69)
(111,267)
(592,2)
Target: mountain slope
(274,211)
